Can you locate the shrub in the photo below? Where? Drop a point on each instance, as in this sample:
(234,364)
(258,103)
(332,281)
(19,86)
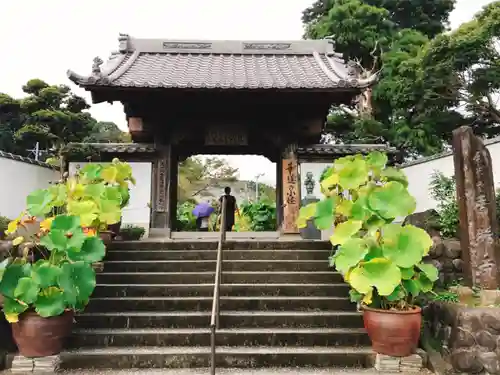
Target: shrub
(261,214)
(132,232)
(4,222)
(443,190)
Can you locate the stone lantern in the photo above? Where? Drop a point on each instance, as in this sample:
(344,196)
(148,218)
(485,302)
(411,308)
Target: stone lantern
(310,232)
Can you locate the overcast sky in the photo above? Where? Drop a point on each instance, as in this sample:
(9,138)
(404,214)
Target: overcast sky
(42,39)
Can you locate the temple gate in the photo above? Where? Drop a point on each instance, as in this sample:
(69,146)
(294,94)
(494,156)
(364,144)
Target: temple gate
(183,98)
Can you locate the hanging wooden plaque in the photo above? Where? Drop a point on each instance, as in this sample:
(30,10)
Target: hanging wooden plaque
(226,136)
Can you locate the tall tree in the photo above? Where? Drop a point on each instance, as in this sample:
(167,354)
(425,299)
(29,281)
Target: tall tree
(11,119)
(52,116)
(387,37)
(197,175)
(107,132)
(469,60)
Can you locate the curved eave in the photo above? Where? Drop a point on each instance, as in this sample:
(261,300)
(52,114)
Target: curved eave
(113,69)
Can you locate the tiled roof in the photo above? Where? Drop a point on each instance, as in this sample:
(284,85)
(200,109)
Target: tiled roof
(120,148)
(158,63)
(348,149)
(8,155)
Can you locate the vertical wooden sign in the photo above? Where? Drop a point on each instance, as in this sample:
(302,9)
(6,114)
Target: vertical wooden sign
(291,197)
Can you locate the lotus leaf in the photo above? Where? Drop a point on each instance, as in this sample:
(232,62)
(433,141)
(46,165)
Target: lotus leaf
(405,246)
(393,174)
(391,200)
(350,254)
(27,290)
(354,174)
(379,273)
(93,250)
(78,281)
(344,231)
(324,213)
(65,233)
(44,273)
(50,302)
(39,202)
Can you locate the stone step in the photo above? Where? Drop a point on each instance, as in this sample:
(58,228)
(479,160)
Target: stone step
(228,357)
(185,290)
(229,245)
(238,371)
(228,319)
(210,265)
(203,254)
(249,303)
(225,337)
(232,277)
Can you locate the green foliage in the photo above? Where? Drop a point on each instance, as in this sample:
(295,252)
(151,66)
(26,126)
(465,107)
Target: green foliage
(52,116)
(424,73)
(96,194)
(446,296)
(132,232)
(261,214)
(443,191)
(107,132)
(4,222)
(73,212)
(186,221)
(63,280)
(196,175)
(381,261)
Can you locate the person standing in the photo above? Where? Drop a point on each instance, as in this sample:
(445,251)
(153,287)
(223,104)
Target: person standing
(202,212)
(231,208)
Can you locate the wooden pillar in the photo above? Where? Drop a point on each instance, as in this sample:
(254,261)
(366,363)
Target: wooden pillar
(290,191)
(174,183)
(279,193)
(162,182)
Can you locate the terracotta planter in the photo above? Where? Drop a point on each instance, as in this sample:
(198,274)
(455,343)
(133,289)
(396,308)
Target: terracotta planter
(394,333)
(115,228)
(106,237)
(41,337)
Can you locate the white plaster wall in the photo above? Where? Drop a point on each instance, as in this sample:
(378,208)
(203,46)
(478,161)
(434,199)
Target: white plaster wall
(419,176)
(138,211)
(18,180)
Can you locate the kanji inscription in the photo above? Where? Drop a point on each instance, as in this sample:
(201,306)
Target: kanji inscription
(161,195)
(476,201)
(226,136)
(291,198)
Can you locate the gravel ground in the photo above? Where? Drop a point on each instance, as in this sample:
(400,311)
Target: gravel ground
(290,371)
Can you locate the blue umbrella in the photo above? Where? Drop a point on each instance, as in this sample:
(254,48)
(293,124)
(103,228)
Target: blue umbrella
(203,210)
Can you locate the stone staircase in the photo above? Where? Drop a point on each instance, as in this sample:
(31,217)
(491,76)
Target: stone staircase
(280,307)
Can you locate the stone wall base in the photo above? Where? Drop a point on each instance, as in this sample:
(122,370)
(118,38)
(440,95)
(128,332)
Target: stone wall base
(414,363)
(43,365)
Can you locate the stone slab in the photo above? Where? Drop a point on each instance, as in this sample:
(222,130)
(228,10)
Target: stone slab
(414,363)
(44,365)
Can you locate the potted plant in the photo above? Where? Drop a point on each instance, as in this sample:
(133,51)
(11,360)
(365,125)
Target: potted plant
(118,176)
(379,259)
(132,233)
(46,279)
